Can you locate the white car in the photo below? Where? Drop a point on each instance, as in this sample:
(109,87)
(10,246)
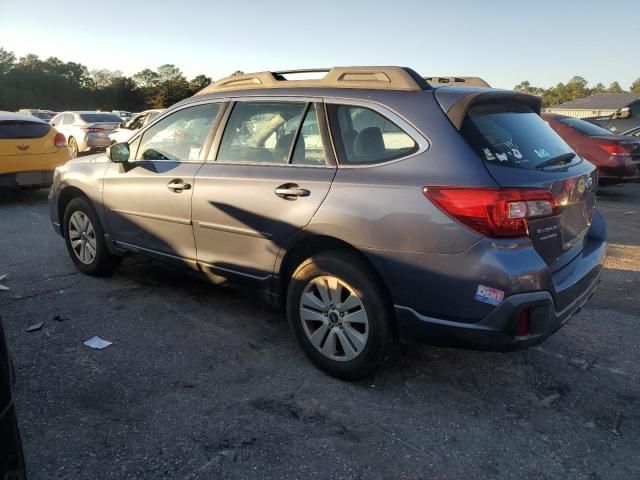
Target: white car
(129,129)
(86,131)
(123,114)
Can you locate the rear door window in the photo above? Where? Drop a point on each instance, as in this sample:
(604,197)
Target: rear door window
(511,135)
(22,129)
(364,136)
(261,132)
(309,149)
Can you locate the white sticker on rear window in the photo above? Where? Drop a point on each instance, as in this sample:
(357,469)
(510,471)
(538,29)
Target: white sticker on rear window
(488,154)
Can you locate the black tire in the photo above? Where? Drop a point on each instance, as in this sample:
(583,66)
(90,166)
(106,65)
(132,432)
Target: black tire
(104,262)
(73,147)
(354,271)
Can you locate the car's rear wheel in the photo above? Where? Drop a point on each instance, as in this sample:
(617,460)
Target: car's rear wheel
(73,147)
(340,314)
(85,242)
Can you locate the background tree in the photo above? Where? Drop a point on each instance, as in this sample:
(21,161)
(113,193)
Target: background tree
(635,86)
(615,88)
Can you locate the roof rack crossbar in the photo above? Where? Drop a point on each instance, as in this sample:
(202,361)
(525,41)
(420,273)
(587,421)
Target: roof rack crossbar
(380,78)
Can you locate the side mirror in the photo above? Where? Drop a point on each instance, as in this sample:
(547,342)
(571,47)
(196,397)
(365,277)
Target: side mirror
(119,153)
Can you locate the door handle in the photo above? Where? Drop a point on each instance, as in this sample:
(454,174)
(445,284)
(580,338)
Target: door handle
(289,190)
(178,186)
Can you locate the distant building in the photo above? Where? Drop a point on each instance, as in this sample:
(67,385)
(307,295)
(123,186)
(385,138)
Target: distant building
(596,105)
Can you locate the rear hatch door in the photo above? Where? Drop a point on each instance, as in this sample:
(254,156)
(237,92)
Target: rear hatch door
(26,137)
(520,150)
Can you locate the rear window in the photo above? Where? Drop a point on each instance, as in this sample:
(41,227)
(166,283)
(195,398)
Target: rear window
(100,117)
(22,129)
(512,135)
(587,128)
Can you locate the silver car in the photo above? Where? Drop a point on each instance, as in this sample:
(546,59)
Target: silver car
(86,130)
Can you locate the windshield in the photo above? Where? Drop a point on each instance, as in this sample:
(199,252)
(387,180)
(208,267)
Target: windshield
(15,129)
(100,117)
(511,135)
(587,128)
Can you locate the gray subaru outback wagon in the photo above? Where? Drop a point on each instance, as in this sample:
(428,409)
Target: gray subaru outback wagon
(370,203)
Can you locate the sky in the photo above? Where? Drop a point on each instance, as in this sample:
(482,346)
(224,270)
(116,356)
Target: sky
(504,42)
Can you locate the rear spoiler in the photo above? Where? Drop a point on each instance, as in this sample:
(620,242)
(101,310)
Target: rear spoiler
(456,102)
(457,82)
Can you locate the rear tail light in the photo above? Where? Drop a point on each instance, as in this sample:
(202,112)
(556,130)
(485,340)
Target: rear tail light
(94,130)
(494,212)
(60,141)
(523,327)
(614,149)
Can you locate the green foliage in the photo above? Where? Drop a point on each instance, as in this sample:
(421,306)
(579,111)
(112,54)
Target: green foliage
(30,82)
(575,88)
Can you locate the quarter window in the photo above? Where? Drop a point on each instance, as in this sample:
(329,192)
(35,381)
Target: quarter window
(366,137)
(180,136)
(260,132)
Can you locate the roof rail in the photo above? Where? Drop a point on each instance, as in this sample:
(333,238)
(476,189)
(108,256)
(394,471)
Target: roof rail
(379,78)
(456,81)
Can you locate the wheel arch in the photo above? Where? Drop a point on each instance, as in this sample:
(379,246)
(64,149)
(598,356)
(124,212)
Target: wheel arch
(65,197)
(310,245)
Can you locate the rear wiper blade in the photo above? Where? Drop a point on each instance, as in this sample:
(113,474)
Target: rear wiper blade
(559,160)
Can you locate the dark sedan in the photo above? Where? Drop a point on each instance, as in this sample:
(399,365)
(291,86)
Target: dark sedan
(11,457)
(617,157)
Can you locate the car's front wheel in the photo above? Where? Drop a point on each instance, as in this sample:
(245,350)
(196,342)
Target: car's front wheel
(84,238)
(340,314)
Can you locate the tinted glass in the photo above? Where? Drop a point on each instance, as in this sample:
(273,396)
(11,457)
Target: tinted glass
(309,149)
(179,136)
(368,137)
(42,116)
(585,127)
(261,132)
(22,129)
(512,135)
(100,117)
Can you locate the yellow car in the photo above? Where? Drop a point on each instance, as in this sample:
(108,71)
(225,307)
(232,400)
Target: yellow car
(30,150)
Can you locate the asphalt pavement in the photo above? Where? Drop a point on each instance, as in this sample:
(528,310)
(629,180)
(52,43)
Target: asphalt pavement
(204,382)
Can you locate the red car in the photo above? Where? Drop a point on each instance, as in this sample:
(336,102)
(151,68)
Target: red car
(617,157)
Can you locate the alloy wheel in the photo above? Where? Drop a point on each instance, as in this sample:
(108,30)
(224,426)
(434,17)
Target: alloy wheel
(82,237)
(334,318)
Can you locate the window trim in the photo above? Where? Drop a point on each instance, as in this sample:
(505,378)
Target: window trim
(206,146)
(330,162)
(387,114)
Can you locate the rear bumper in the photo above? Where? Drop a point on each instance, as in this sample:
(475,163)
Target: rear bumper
(94,140)
(629,172)
(496,332)
(38,178)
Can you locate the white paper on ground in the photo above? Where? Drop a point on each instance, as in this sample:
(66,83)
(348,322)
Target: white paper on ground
(97,342)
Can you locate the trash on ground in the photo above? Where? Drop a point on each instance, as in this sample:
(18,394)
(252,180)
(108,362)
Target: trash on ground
(98,343)
(3,287)
(35,327)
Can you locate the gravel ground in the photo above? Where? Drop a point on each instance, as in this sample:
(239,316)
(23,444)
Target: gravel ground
(206,382)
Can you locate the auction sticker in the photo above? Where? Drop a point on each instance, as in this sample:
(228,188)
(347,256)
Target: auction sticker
(489,295)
